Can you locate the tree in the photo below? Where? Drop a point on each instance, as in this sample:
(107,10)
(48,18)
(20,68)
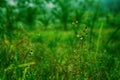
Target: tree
(62,12)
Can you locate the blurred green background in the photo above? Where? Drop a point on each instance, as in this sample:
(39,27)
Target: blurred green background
(59,39)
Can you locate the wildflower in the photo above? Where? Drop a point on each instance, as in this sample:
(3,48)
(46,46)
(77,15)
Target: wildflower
(31,52)
(78,35)
(81,38)
(76,21)
(74,51)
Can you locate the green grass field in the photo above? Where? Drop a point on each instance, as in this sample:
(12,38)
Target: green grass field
(59,55)
(59,39)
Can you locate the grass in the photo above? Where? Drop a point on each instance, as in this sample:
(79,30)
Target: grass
(57,55)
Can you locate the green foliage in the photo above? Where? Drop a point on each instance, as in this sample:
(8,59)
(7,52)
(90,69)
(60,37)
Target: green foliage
(56,56)
(85,46)
(62,12)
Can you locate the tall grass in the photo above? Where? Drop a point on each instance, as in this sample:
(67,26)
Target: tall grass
(57,55)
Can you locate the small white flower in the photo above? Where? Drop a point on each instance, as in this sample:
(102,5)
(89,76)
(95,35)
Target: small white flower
(81,38)
(76,21)
(74,51)
(31,52)
(78,35)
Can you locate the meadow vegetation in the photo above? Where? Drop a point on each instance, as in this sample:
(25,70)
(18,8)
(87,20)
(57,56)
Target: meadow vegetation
(79,42)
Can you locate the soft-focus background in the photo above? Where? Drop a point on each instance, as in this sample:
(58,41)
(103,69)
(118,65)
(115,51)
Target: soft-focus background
(59,39)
